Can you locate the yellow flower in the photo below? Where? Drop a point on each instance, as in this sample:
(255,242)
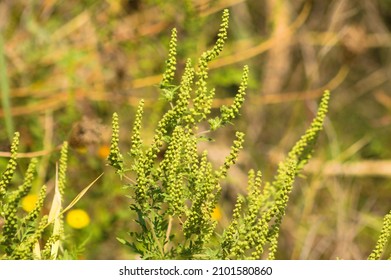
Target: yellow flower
(78,218)
(217,214)
(103,151)
(28,202)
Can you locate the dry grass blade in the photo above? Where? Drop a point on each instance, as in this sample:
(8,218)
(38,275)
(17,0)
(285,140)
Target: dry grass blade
(378,168)
(76,199)
(80,195)
(37,251)
(55,209)
(55,216)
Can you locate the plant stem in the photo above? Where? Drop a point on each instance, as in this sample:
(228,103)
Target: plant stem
(168,232)
(155,237)
(5,91)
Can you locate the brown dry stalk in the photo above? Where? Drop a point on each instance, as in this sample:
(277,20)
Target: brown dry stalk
(58,101)
(32,154)
(379,168)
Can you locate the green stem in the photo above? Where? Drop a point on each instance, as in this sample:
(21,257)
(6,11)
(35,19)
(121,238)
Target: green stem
(168,233)
(5,92)
(157,241)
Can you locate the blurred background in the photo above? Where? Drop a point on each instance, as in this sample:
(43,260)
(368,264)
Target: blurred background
(66,66)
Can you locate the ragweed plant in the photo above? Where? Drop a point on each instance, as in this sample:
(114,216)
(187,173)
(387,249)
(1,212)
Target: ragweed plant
(384,237)
(33,235)
(174,197)
(21,235)
(257,217)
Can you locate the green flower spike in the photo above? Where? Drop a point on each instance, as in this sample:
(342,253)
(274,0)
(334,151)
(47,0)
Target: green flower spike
(135,149)
(115,157)
(383,238)
(169,73)
(6,177)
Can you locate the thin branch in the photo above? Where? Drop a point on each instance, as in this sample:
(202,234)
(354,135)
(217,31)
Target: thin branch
(168,232)
(32,154)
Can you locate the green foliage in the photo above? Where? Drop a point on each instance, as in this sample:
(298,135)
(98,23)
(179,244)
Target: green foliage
(115,158)
(384,237)
(173,185)
(263,209)
(175,190)
(6,177)
(168,75)
(21,235)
